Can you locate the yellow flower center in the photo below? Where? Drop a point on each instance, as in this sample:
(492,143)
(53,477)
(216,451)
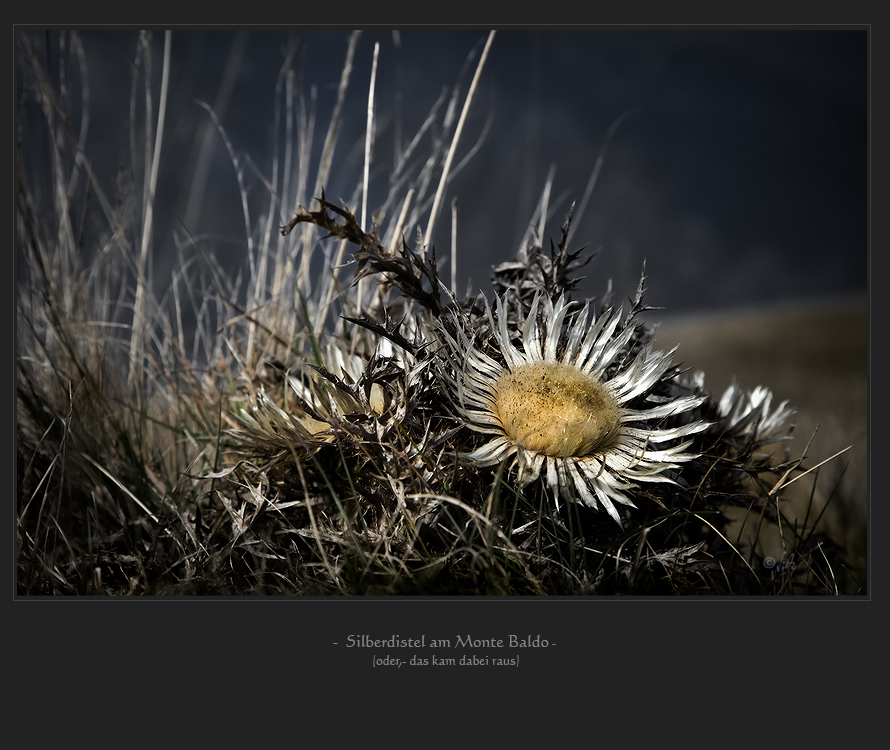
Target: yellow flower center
(556,410)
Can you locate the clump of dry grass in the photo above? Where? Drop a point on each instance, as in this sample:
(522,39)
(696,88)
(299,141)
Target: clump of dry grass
(296,439)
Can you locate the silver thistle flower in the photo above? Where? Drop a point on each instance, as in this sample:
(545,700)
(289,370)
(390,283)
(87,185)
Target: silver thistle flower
(561,403)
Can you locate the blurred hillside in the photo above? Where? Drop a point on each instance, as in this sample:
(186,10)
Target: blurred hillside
(817,358)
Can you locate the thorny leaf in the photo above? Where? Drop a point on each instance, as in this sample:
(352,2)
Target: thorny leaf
(406,270)
(390,330)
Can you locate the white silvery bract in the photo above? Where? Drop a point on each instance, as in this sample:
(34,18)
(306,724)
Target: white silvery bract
(747,414)
(561,403)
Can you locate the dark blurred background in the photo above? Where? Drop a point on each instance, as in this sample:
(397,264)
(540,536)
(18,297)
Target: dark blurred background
(740,176)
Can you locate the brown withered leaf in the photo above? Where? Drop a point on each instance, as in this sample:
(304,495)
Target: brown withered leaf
(405,270)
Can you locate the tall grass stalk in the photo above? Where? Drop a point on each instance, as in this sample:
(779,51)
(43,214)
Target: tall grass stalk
(443,180)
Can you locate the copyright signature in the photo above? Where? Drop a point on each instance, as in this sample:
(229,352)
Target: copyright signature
(784,565)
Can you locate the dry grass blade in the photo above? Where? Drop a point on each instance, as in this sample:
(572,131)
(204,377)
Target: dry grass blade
(443,180)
